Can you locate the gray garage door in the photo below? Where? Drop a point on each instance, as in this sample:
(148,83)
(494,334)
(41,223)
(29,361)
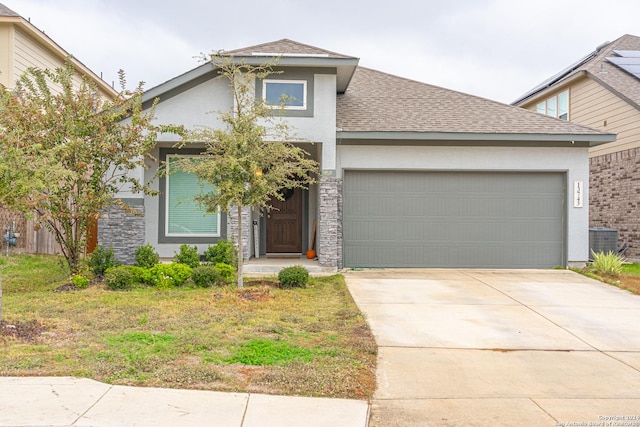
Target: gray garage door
(453,219)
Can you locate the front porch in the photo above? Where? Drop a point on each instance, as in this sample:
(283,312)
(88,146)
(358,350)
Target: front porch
(270,266)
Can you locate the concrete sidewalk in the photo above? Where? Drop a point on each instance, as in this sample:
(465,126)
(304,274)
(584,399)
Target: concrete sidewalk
(66,401)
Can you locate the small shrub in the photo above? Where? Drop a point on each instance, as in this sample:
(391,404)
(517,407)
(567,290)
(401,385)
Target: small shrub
(222,252)
(102,259)
(165,276)
(121,278)
(188,255)
(146,256)
(293,277)
(205,276)
(225,271)
(80,281)
(607,264)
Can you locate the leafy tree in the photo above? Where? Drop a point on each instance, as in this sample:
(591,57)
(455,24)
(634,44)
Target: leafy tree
(66,151)
(251,159)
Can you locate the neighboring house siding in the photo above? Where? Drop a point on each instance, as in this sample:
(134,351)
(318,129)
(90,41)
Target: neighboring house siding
(595,106)
(615,191)
(6,52)
(28,53)
(614,180)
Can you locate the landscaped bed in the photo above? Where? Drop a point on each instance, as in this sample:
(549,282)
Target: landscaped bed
(310,341)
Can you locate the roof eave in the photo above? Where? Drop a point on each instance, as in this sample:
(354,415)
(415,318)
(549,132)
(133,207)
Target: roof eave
(345,67)
(557,85)
(177,82)
(590,140)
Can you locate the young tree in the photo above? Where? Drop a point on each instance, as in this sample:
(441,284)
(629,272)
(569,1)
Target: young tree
(66,151)
(252,158)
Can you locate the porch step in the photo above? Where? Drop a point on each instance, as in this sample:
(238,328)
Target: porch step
(271,266)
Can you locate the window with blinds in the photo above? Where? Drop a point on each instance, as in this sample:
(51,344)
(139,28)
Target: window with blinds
(184,216)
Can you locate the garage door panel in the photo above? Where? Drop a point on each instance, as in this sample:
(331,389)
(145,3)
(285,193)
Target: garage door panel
(453,219)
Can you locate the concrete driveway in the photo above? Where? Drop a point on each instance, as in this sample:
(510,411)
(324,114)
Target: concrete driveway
(501,348)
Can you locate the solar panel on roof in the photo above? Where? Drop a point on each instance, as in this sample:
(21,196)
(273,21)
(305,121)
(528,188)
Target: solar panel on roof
(629,61)
(628,53)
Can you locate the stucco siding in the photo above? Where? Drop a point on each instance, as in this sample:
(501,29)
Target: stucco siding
(195,108)
(573,161)
(321,128)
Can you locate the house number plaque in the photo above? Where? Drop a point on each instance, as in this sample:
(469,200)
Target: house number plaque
(578,193)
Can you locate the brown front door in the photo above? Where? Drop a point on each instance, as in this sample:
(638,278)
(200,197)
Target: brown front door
(284,223)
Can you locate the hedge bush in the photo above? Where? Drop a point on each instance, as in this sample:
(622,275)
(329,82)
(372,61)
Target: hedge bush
(167,275)
(293,277)
(102,259)
(188,255)
(124,277)
(222,252)
(225,271)
(146,256)
(80,281)
(205,276)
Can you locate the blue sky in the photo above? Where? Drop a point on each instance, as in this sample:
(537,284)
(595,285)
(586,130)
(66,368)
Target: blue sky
(497,49)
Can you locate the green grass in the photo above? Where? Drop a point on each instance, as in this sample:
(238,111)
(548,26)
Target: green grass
(32,273)
(308,341)
(632,269)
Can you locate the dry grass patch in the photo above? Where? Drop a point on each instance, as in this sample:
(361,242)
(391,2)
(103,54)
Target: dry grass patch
(310,341)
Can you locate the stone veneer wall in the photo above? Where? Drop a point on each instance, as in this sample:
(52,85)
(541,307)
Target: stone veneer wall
(330,223)
(232,229)
(122,231)
(614,196)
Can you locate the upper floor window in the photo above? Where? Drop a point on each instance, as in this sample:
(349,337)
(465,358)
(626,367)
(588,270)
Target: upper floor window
(555,106)
(291,93)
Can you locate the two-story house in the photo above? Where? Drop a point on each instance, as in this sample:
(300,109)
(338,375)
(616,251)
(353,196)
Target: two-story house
(23,45)
(602,91)
(412,175)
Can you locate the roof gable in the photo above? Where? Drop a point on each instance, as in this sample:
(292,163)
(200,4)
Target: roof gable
(285,47)
(283,53)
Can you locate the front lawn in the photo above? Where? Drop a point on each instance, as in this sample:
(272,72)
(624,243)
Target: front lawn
(309,341)
(628,279)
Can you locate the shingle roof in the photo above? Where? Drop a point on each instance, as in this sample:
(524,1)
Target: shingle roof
(597,67)
(285,46)
(5,11)
(380,102)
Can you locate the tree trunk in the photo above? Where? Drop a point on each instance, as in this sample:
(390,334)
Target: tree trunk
(240,248)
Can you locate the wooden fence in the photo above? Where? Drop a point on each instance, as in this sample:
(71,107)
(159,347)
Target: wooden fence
(32,239)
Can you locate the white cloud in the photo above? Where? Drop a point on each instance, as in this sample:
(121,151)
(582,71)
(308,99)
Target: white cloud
(493,48)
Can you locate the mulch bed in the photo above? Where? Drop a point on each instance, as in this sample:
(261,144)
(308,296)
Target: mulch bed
(26,331)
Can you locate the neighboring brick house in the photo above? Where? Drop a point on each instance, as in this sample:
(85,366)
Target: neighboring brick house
(412,175)
(602,91)
(23,45)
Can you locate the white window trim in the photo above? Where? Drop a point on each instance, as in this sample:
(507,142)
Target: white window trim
(287,107)
(167,200)
(557,98)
